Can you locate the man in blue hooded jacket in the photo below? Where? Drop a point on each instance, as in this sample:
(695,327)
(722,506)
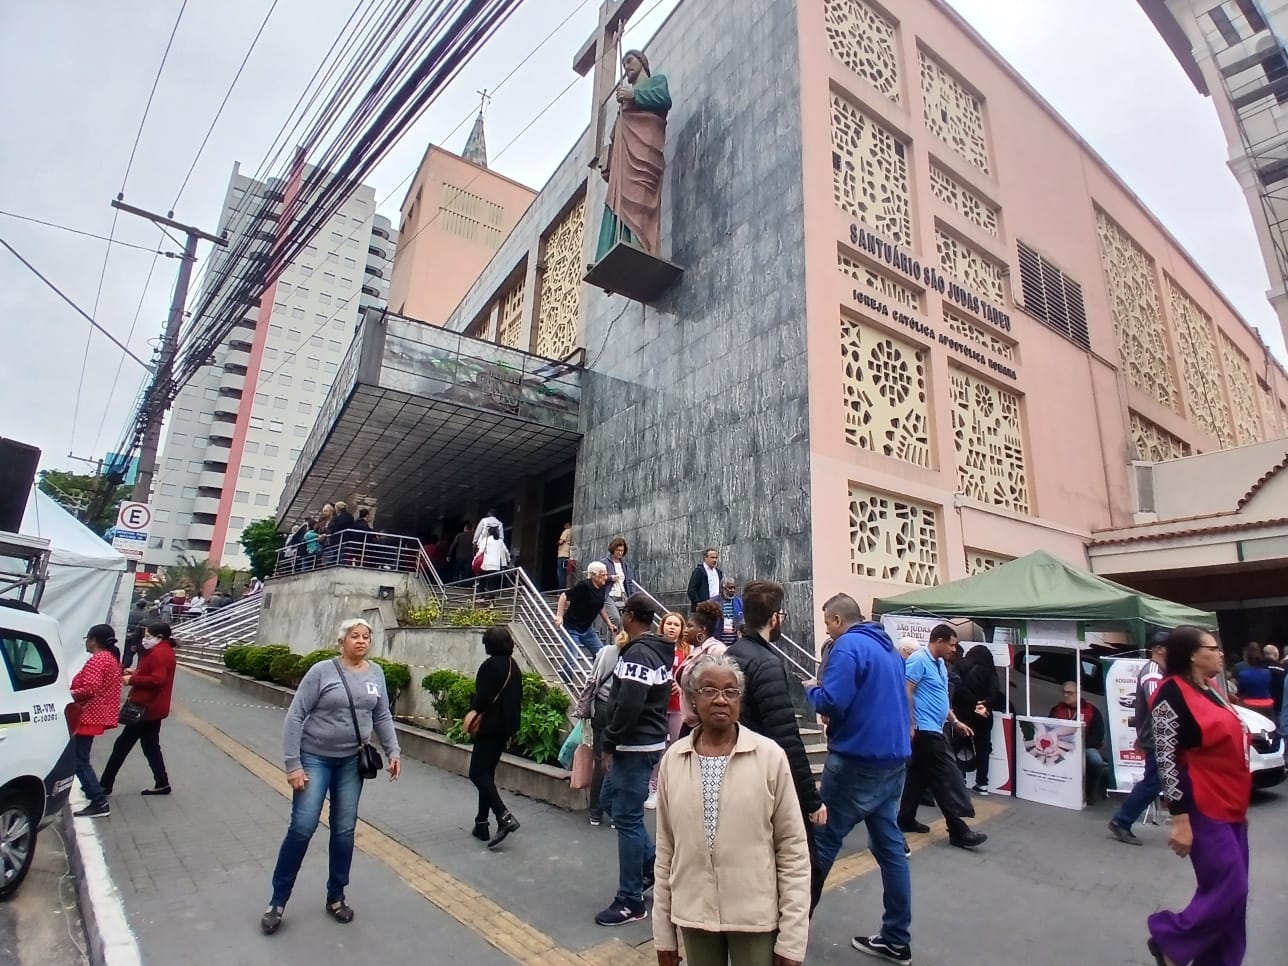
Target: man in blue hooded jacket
(864,698)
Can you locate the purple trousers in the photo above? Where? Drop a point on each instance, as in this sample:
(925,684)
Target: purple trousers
(1212,930)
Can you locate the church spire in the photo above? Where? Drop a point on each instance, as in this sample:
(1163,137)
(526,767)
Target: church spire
(476,146)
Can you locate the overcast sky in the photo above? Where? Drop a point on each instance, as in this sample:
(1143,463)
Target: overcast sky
(74,78)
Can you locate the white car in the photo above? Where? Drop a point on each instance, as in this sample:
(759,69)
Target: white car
(1266,751)
(37,760)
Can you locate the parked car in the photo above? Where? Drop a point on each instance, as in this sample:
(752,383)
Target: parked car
(37,761)
(1049,669)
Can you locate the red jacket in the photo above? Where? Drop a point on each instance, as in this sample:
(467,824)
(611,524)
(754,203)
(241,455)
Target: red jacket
(153,681)
(96,689)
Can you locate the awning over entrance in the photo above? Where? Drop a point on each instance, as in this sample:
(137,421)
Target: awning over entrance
(429,422)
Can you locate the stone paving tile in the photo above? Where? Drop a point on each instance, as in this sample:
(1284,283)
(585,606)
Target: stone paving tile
(194,870)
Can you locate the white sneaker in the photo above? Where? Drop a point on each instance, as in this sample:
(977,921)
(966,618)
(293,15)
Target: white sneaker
(651,801)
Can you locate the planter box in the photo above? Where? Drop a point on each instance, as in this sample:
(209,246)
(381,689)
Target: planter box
(514,774)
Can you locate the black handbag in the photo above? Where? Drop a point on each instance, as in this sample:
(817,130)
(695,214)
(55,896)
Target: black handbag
(369,760)
(132,713)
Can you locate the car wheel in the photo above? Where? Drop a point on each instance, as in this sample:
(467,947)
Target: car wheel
(19,821)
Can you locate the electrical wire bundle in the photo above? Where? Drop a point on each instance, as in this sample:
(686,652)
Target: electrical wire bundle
(406,52)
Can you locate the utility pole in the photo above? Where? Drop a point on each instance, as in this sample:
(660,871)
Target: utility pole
(169,341)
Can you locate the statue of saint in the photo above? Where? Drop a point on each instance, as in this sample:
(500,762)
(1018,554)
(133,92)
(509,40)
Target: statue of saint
(633,208)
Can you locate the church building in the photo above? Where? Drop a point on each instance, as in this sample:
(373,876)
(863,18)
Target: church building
(919,328)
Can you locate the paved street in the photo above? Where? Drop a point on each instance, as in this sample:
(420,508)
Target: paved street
(41,925)
(1050,887)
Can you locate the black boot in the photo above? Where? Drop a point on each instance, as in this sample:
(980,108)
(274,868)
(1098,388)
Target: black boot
(481,831)
(504,827)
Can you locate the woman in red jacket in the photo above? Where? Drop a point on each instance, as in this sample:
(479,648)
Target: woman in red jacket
(96,689)
(1202,751)
(151,684)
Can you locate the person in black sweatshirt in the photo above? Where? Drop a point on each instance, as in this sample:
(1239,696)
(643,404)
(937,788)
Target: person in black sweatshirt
(498,695)
(767,706)
(633,744)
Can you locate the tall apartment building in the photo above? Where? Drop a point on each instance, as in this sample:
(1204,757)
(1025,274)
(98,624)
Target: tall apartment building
(1233,51)
(237,428)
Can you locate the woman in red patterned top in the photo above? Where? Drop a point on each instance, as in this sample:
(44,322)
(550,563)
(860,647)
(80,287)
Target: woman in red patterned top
(96,689)
(1202,751)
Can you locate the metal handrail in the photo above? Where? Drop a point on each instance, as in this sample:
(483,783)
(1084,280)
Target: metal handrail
(366,549)
(233,623)
(783,652)
(581,666)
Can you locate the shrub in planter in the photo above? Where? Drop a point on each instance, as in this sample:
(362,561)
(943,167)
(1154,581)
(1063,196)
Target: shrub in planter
(234,657)
(458,699)
(259,662)
(539,735)
(316,657)
(474,617)
(397,677)
(285,670)
(423,615)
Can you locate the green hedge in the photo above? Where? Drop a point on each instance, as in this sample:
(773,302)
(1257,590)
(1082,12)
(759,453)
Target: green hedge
(259,660)
(397,677)
(285,670)
(235,657)
(542,719)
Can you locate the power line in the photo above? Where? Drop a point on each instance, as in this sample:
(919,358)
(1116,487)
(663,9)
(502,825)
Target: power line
(78,231)
(80,311)
(151,94)
(224,103)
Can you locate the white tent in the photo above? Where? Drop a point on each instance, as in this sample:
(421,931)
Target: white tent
(84,570)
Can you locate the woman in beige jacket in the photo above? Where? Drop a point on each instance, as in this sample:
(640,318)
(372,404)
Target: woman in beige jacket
(732,869)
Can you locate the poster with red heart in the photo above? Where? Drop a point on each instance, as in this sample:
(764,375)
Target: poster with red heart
(1049,761)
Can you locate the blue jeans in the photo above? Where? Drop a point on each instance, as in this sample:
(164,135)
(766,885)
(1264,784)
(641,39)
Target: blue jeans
(588,639)
(339,777)
(1138,799)
(854,793)
(630,775)
(85,770)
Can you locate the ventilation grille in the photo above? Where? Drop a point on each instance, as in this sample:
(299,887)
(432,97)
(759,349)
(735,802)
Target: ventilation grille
(1053,297)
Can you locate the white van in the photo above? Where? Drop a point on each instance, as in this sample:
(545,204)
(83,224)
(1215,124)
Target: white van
(37,760)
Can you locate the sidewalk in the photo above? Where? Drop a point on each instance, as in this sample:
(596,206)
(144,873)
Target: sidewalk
(1049,887)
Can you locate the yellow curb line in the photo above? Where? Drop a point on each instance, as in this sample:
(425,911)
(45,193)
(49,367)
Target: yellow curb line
(492,922)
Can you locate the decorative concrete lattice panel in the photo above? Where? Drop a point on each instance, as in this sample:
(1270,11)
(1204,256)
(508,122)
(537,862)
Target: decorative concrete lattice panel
(964,200)
(979,335)
(1243,392)
(969,267)
(893,538)
(1269,411)
(1154,443)
(988,434)
(1199,366)
(978,561)
(510,327)
(870,172)
(561,286)
(886,406)
(865,42)
(953,114)
(882,285)
(1139,325)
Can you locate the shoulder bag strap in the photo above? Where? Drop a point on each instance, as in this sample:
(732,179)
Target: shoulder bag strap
(357,732)
(508,671)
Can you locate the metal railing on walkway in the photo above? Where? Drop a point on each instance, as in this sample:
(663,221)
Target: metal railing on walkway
(234,624)
(365,549)
(803,661)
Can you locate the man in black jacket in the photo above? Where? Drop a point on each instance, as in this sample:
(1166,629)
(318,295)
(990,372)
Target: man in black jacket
(633,744)
(706,579)
(767,706)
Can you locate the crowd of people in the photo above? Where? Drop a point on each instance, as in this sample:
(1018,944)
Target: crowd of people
(334,536)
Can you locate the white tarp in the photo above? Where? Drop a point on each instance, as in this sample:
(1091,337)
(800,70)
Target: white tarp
(84,570)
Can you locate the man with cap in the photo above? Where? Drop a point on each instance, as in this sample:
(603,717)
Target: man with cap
(1147,789)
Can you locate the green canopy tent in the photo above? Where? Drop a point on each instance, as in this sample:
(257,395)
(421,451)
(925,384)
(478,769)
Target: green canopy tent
(1042,587)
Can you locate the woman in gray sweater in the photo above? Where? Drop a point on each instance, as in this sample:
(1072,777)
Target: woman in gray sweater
(321,750)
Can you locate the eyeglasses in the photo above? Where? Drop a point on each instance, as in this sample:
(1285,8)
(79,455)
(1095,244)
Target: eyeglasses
(782,614)
(729,694)
(1210,647)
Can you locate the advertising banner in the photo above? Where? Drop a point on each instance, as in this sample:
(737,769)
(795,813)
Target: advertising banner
(1052,634)
(1049,761)
(906,625)
(1127,763)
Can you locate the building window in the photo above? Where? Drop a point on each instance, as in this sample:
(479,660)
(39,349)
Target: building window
(183,519)
(261,499)
(324,298)
(1200,370)
(275,329)
(310,385)
(211,394)
(261,399)
(312,362)
(988,433)
(972,268)
(339,323)
(1252,14)
(177,544)
(279,402)
(168,489)
(162,516)
(953,113)
(173,463)
(180,439)
(294,335)
(252,446)
(194,466)
(270,449)
(295,454)
(205,419)
(241,496)
(237,522)
(305,407)
(335,345)
(156,543)
(257,422)
(330,368)
(470,216)
(1153,443)
(266,475)
(231,548)
(330,277)
(865,42)
(297,312)
(870,172)
(1221,20)
(275,426)
(246,472)
(301,431)
(885,400)
(893,538)
(315,340)
(1052,296)
(184,414)
(332,258)
(189,492)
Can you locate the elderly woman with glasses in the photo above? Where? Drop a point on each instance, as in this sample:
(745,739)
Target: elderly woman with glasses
(733,868)
(1202,751)
(336,708)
